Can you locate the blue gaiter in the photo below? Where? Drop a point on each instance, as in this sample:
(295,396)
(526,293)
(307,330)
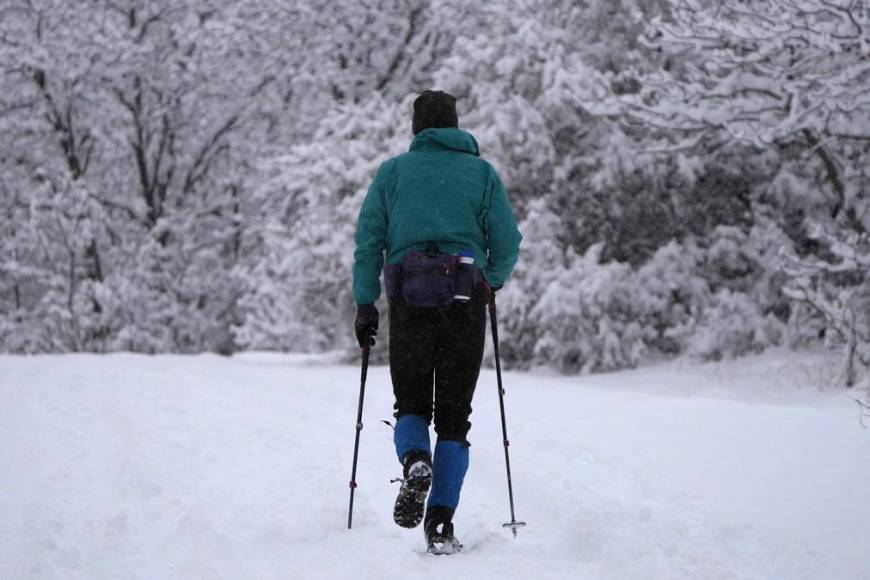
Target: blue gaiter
(411,433)
(449,467)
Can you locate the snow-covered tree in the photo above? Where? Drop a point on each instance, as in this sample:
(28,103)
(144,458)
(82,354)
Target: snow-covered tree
(298,291)
(543,258)
(186,176)
(732,326)
(591,318)
(837,289)
(786,76)
(150,113)
(786,83)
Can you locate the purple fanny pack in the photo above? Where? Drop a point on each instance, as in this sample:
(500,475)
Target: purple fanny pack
(429,279)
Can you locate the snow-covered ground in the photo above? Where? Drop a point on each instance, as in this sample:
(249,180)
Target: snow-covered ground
(136,467)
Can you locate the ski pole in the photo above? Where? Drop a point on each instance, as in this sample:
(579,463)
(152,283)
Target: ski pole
(513,524)
(359,426)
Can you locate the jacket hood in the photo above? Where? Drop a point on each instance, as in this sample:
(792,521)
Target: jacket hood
(445,138)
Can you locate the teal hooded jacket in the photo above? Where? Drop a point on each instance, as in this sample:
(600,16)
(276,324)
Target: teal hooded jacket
(439,192)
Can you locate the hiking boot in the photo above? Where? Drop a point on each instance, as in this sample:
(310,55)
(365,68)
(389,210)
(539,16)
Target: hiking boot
(439,531)
(408,511)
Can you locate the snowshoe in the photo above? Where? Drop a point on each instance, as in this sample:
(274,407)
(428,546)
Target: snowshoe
(408,511)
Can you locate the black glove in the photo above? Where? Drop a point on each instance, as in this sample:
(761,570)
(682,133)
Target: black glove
(366,324)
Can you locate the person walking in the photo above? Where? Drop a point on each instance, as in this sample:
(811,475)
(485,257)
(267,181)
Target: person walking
(440,215)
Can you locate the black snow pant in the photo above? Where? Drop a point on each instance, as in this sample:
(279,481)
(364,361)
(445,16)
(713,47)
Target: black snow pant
(435,356)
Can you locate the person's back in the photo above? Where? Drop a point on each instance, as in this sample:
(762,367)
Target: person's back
(439,192)
(440,214)
(436,194)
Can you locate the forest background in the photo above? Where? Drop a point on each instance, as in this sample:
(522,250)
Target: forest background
(691,177)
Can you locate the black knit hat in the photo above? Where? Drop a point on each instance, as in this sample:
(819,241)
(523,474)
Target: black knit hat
(434,109)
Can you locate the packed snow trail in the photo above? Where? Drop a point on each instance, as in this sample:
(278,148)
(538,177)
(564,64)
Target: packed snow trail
(171,467)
